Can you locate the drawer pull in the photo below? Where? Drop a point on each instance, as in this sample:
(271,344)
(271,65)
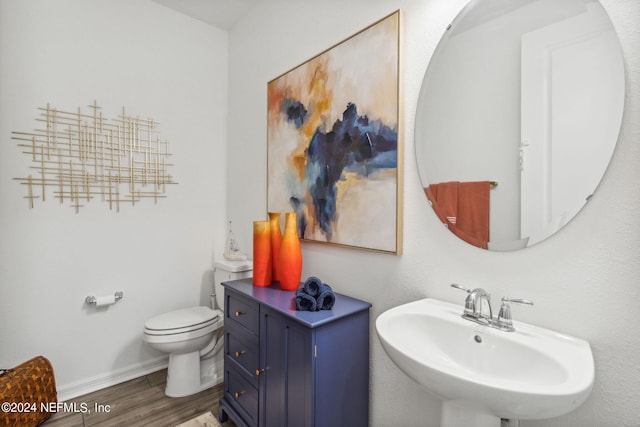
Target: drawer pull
(237,394)
(239,313)
(240,353)
(259,371)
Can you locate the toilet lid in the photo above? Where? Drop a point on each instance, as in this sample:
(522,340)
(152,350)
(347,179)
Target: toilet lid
(183,318)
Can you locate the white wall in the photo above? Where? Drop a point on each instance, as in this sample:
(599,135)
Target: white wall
(156,63)
(583,280)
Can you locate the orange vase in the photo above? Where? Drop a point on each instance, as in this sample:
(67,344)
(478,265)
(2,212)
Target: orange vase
(290,255)
(262,267)
(276,239)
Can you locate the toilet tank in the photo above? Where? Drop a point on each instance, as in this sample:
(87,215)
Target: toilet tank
(225,270)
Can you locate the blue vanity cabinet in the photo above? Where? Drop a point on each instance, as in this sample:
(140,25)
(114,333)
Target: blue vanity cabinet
(293,368)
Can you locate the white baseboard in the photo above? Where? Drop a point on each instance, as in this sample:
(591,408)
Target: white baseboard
(98,382)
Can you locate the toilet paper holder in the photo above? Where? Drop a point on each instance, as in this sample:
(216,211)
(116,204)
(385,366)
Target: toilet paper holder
(92,300)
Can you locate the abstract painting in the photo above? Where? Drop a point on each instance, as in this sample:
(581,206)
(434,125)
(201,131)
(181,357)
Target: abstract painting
(333,148)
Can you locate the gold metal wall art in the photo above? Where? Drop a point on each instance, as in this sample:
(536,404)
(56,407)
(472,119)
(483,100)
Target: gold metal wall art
(76,156)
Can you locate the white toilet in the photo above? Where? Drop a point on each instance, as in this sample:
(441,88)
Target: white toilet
(193,336)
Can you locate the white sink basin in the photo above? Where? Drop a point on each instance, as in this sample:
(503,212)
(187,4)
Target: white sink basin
(532,373)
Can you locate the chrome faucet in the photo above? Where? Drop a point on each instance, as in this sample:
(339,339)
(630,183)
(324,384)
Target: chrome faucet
(477,308)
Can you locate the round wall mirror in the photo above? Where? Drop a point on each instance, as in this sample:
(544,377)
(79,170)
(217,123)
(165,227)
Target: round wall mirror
(518,116)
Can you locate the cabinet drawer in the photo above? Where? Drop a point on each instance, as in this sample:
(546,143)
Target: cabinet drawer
(243,352)
(243,312)
(242,395)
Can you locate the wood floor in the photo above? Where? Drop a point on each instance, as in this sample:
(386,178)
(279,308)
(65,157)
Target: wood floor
(138,402)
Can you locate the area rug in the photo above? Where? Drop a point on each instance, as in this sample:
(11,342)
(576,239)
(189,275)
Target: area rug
(204,420)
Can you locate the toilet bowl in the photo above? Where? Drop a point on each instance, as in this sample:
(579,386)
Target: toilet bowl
(193,336)
(185,334)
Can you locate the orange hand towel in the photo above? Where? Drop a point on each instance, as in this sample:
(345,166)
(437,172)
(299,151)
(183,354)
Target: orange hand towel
(444,197)
(464,208)
(473,209)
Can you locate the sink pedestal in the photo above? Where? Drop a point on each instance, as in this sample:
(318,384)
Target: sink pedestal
(457,413)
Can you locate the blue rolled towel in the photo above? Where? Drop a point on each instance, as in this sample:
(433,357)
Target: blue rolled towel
(312,286)
(305,302)
(326,299)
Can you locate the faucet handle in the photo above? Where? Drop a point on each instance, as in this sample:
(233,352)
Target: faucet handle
(517,301)
(462,288)
(469,304)
(505,321)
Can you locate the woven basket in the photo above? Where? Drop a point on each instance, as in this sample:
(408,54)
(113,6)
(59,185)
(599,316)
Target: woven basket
(28,388)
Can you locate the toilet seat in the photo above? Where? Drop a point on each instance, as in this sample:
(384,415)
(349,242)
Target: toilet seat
(191,322)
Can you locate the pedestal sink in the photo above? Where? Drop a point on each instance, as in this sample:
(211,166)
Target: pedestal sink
(484,374)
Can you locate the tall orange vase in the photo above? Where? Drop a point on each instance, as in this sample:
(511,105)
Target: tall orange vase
(276,239)
(262,264)
(290,255)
